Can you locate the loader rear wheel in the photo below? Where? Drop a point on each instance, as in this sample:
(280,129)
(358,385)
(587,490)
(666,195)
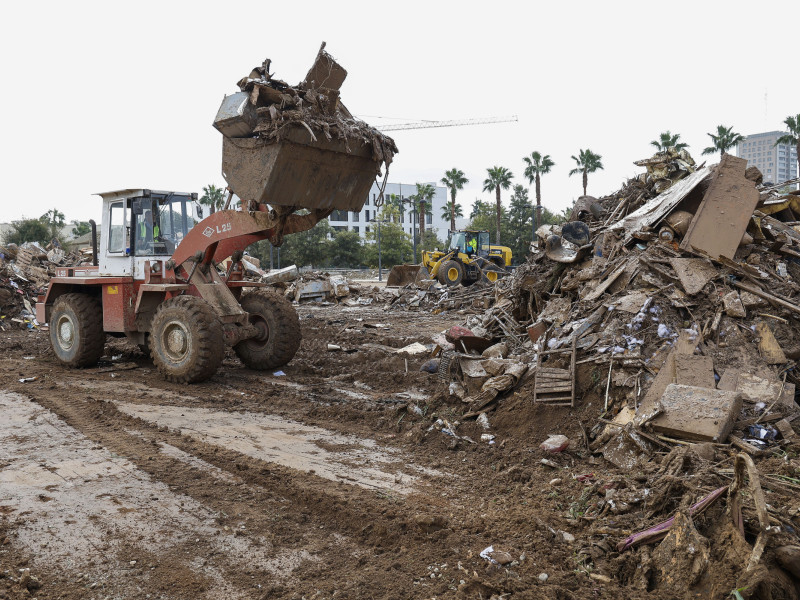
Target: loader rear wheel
(498,260)
(279,331)
(186,340)
(76,330)
(451,273)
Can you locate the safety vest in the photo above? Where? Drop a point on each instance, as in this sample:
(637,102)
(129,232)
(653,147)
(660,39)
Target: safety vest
(143,230)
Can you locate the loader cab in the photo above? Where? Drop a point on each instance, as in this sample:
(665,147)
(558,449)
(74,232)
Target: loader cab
(142,225)
(469,242)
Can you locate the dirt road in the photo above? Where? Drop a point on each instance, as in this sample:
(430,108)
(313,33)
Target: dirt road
(317,481)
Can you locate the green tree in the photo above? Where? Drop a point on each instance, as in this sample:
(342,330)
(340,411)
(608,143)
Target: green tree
(81,228)
(725,139)
(518,220)
(483,216)
(421,200)
(454,180)
(395,245)
(451,212)
(668,140)
(587,162)
(498,178)
(310,248)
(213,197)
(478,208)
(793,137)
(429,241)
(537,165)
(346,249)
(28,230)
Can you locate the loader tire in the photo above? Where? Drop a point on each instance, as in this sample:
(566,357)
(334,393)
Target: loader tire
(451,273)
(76,330)
(186,340)
(498,261)
(279,327)
(491,273)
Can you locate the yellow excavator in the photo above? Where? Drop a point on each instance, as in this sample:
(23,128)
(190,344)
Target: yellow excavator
(469,257)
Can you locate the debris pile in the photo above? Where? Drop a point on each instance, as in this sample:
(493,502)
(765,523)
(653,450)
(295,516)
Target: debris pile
(273,131)
(24,273)
(678,333)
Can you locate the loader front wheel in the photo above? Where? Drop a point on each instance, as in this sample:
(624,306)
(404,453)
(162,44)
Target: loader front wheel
(76,330)
(279,331)
(451,273)
(491,273)
(186,340)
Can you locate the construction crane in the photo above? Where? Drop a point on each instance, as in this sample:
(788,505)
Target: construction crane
(426,124)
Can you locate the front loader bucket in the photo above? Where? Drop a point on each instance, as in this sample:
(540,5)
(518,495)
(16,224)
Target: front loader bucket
(401,275)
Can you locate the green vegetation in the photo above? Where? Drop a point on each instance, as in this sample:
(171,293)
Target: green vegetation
(725,139)
(498,178)
(213,197)
(454,180)
(587,162)
(668,140)
(537,165)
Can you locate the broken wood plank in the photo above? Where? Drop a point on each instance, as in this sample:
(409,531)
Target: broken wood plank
(722,217)
(767,296)
(768,346)
(695,413)
(693,273)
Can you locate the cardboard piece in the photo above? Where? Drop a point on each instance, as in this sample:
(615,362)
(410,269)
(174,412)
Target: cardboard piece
(769,347)
(695,413)
(722,217)
(694,273)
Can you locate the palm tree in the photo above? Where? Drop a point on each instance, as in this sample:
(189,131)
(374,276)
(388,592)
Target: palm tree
(588,162)
(538,165)
(454,180)
(793,137)
(424,195)
(499,178)
(669,140)
(724,140)
(213,197)
(450,211)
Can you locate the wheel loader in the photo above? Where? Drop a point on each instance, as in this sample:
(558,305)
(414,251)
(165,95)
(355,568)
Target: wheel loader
(469,257)
(156,276)
(156,282)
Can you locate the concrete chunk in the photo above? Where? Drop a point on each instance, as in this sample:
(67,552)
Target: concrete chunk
(696,413)
(733,305)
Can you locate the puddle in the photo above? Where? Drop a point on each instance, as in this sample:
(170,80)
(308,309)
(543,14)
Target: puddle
(74,504)
(288,443)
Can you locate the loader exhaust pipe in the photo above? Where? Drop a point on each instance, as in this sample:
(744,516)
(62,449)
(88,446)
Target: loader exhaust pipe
(94,241)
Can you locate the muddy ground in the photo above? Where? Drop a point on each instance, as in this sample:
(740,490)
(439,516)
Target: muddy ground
(321,482)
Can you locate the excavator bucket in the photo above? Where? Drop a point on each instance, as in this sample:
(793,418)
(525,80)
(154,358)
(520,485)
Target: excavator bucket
(401,275)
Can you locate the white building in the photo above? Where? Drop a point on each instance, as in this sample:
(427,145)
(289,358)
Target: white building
(363,221)
(776,163)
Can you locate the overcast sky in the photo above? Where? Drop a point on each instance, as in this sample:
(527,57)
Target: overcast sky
(100,96)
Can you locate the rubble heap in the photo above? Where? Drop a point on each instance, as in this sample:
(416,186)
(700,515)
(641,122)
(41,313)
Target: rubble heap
(24,273)
(275,108)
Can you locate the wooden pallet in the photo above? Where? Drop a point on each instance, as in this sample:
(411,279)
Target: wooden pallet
(556,386)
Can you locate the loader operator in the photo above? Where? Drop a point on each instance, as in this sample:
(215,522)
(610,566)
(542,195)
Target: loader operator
(150,235)
(472,246)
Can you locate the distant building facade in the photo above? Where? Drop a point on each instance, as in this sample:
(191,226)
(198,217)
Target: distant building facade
(362,221)
(776,163)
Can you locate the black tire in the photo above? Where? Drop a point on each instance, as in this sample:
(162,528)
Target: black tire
(76,330)
(186,340)
(451,273)
(498,261)
(280,334)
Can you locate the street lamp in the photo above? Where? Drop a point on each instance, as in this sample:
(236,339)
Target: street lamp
(414,223)
(380,266)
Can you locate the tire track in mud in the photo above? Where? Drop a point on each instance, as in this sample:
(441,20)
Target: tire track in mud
(339,523)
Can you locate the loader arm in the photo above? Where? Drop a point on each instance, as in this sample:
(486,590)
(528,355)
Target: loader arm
(219,235)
